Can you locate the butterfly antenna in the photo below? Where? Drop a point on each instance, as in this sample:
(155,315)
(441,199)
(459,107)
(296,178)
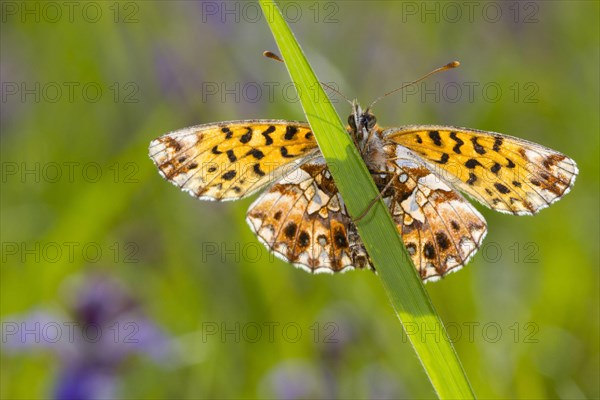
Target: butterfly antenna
(336,91)
(450,65)
(273,56)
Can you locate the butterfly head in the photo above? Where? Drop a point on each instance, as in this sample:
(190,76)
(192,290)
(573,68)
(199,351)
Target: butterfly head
(362,125)
(361,120)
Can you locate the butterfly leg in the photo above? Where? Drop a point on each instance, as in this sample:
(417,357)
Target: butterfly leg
(379,196)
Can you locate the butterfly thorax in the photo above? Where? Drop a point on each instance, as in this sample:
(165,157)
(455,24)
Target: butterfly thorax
(367,137)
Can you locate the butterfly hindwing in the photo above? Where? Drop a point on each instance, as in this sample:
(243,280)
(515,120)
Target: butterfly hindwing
(231,160)
(440,229)
(504,173)
(303,220)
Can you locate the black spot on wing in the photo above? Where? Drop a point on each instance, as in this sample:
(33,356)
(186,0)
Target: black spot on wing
(340,238)
(246,137)
(290,230)
(455,225)
(229,175)
(266,133)
(429,251)
(471,163)
(303,239)
(477,147)
(435,136)
(290,132)
(231,156)
(442,240)
(227,132)
(444,159)
(501,188)
(284,152)
(256,154)
(472,178)
(411,248)
(257,170)
(497,143)
(459,142)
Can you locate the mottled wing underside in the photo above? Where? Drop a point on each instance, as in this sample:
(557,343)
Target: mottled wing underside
(441,230)
(231,160)
(303,220)
(504,173)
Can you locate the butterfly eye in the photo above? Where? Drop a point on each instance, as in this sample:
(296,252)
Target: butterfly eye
(351,122)
(369,121)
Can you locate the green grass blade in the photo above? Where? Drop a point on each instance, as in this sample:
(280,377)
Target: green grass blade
(378,231)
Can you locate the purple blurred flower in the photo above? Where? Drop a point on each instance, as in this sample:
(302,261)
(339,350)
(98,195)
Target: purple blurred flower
(290,380)
(381,384)
(103,327)
(86,381)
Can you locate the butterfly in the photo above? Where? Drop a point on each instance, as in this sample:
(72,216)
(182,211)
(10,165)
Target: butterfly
(420,171)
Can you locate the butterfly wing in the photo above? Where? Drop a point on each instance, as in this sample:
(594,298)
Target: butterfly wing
(440,229)
(232,160)
(505,173)
(303,219)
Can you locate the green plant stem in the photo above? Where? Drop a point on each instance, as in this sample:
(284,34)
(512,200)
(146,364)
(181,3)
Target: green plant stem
(378,231)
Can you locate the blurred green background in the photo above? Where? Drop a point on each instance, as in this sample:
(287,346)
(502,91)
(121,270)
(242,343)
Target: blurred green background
(87,85)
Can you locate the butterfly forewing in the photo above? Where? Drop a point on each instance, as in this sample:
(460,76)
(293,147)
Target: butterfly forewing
(505,173)
(231,160)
